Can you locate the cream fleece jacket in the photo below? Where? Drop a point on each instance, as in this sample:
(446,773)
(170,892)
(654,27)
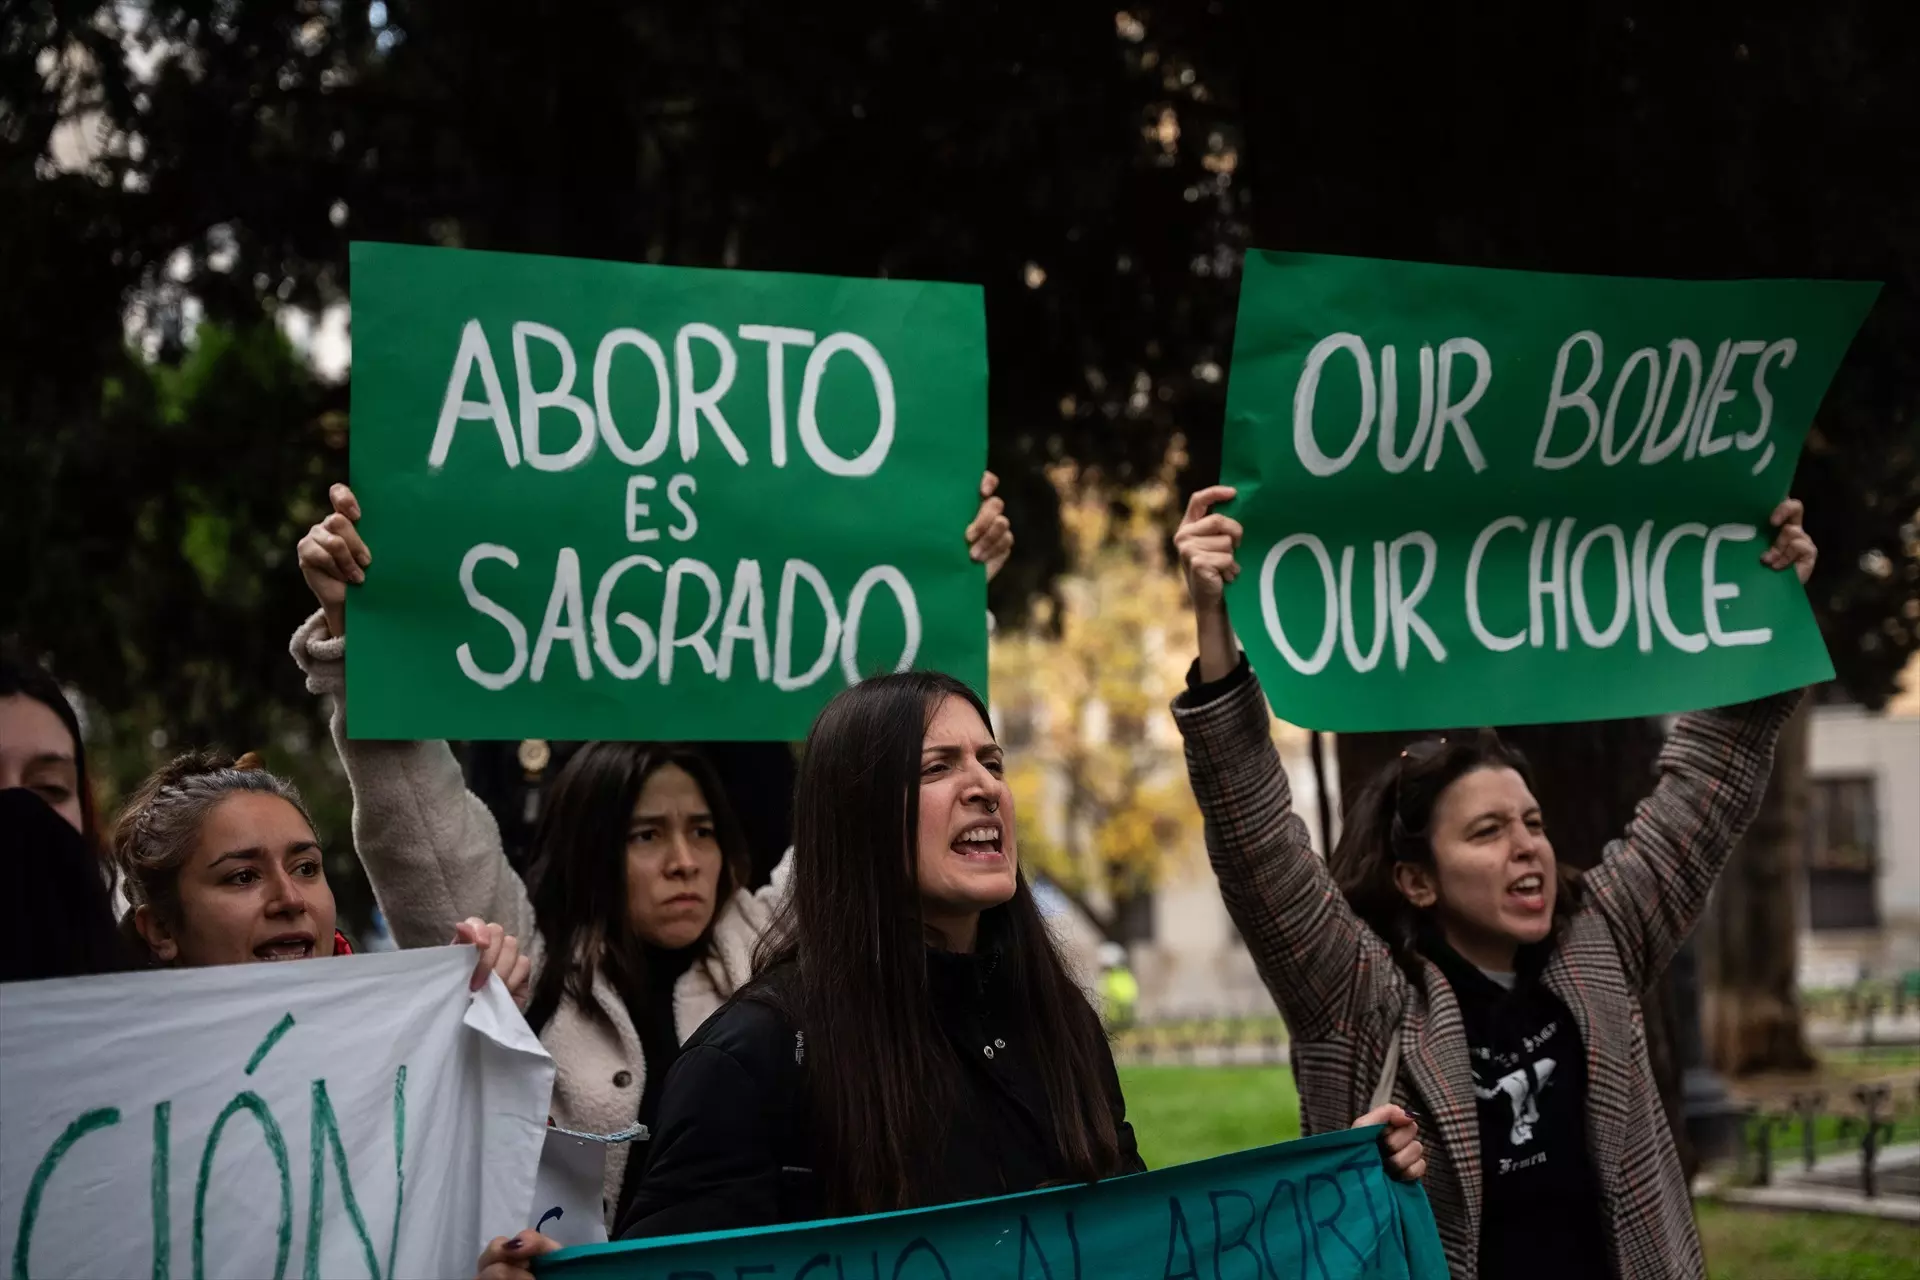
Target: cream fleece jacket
(432,852)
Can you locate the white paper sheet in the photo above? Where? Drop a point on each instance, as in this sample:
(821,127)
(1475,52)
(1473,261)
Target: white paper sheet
(349,1117)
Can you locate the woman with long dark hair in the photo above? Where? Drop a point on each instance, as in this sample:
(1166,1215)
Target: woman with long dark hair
(634,913)
(636,907)
(1443,935)
(913,1038)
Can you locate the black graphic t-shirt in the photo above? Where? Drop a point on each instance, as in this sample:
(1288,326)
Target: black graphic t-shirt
(1541,1211)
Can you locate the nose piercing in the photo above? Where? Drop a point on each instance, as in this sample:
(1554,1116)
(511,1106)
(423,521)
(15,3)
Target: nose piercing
(993,806)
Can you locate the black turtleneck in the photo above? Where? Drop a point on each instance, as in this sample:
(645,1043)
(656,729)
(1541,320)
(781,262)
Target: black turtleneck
(653,1020)
(736,1148)
(1541,1208)
(652,1016)
(1002,1104)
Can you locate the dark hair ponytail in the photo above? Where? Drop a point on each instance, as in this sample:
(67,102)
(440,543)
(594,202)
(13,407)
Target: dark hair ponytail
(1391,820)
(160,825)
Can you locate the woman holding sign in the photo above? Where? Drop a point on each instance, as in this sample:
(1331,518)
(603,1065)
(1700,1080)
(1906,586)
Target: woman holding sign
(639,870)
(1443,936)
(913,1038)
(221,866)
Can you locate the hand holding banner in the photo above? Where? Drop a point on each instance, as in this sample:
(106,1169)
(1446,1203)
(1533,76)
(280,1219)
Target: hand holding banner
(1322,1207)
(365,1116)
(1500,497)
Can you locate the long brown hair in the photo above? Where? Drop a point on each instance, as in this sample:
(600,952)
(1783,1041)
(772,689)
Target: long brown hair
(578,881)
(880,1071)
(1390,822)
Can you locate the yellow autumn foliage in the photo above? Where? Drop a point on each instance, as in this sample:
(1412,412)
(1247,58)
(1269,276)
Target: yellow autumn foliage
(1082,695)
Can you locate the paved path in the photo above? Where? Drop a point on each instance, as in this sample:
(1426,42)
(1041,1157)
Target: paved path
(1833,1186)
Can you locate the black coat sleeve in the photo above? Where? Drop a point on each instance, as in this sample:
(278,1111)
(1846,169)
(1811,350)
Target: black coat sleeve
(1130,1161)
(725,1118)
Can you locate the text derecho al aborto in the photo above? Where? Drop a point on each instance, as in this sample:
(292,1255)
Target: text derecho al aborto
(1557,569)
(683,407)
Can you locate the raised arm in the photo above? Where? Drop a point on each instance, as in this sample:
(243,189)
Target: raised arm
(430,847)
(1652,885)
(1322,964)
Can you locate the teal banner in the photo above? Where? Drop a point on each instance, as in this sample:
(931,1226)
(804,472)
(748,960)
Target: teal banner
(1321,1208)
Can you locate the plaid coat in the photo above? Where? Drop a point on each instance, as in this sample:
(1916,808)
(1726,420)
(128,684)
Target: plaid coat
(1342,994)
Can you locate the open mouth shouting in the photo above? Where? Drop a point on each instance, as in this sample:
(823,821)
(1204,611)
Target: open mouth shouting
(980,842)
(1529,892)
(286,946)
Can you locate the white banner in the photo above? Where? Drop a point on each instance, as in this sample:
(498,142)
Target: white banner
(566,1196)
(354,1117)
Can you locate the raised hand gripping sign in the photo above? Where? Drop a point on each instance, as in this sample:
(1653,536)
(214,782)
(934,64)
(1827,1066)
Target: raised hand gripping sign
(619,501)
(1500,497)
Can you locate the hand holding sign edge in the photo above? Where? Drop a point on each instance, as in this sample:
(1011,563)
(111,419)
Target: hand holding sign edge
(1208,542)
(1791,545)
(332,555)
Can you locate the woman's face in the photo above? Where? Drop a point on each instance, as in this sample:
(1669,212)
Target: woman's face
(37,752)
(1493,879)
(253,889)
(673,860)
(968,860)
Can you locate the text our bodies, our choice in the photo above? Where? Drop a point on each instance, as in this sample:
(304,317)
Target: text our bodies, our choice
(1558,578)
(1444,407)
(1558,568)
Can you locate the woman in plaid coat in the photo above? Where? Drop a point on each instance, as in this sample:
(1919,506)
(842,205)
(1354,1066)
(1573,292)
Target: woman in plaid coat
(1443,923)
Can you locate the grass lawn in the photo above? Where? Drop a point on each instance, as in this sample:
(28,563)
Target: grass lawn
(1748,1244)
(1182,1114)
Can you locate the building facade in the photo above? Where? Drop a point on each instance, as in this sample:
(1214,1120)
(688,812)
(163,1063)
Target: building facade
(1860,905)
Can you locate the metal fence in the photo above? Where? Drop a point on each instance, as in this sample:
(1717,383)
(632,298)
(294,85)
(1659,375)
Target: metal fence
(1837,1140)
(1203,1040)
(1868,1002)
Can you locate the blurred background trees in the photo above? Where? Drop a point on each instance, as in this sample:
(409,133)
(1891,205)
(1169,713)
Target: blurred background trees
(179,183)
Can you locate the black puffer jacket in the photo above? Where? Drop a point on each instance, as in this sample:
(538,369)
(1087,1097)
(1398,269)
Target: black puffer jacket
(735,1148)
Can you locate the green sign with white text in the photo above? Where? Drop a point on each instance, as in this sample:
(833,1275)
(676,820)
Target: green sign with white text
(1501,497)
(1321,1208)
(618,501)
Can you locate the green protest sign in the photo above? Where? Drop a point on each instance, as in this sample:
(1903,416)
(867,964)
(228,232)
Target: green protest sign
(618,501)
(1322,1208)
(1501,497)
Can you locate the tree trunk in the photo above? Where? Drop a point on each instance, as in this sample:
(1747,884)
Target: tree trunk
(1750,998)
